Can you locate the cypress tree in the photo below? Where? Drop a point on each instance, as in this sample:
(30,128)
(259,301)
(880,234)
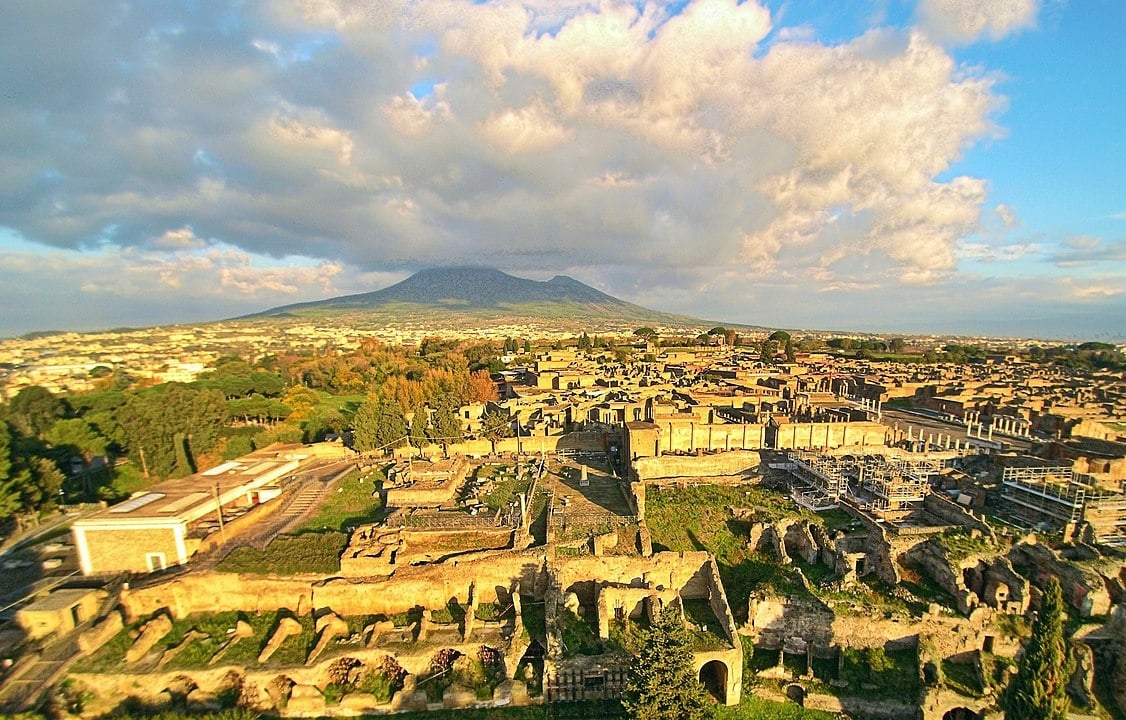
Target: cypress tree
(662,682)
(1039,690)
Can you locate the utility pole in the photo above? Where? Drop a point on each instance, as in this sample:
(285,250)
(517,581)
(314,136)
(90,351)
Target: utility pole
(219,512)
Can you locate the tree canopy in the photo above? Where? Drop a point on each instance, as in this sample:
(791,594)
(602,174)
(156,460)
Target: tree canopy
(662,681)
(1039,690)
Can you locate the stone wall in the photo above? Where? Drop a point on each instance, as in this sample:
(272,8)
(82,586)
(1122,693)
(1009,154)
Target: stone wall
(830,435)
(426,585)
(736,462)
(1084,590)
(946,509)
(663,570)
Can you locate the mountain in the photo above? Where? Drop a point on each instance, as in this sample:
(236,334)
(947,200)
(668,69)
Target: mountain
(481,292)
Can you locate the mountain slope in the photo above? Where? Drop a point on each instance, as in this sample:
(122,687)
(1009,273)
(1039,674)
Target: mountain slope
(481,291)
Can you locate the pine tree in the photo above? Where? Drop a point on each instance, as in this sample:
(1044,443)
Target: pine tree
(1039,690)
(662,683)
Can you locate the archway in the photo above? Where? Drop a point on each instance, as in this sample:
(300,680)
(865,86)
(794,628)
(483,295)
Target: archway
(796,693)
(962,713)
(714,677)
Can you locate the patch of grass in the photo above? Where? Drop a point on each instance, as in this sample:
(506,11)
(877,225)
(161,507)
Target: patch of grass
(532,617)
(109,657)
(960,544)
(628,634)
(577,636)
(296,647)
(837,519)
(962,678)
(755,708)
(875,673)
(354,501)
(697,518)
(313,553)
(704,629)
(1013,626)
(345,404)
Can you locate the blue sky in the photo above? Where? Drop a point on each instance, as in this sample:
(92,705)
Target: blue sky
(944,166)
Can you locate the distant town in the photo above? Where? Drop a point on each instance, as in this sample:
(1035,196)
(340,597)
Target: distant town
(307,518)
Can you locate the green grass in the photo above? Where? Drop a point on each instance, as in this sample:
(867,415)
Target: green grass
(577,635)
(872,672)
(700,615)
(962,678)
(532,617)
(314,553)
(696,518)
(754,708)
(345,404)
(504,489)
(197,654)
(352,502)
(959,544)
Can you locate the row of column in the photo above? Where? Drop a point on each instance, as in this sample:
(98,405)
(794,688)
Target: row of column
(1004,424)
(940,441)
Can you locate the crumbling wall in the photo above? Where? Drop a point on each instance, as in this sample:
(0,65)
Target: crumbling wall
(931,559)
(426,585)
(662,570)
(772,620)
(1084,590)
(946,509)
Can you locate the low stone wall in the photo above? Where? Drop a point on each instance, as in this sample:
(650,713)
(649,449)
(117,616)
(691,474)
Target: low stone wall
(733,463)
(426,585)
(946,509)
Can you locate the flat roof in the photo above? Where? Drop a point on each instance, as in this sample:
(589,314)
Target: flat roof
(180,500)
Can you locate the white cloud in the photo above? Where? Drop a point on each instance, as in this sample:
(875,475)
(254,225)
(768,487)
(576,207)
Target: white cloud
(531,128)
(705,146)
(963,21)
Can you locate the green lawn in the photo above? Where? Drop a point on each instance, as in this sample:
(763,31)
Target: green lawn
(317,553)
(753,708)
(352,502)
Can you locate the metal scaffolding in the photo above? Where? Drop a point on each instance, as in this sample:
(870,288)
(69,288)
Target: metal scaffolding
(1057,496)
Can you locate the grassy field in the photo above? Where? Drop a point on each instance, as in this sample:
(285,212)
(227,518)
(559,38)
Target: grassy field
(354,501)
(317,553)
(697,518)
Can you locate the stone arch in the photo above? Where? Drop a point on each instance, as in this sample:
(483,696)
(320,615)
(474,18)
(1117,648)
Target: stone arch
(713,674)
(796,693)
(962,713)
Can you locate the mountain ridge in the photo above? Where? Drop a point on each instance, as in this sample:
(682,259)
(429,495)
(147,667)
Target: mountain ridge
(481,290)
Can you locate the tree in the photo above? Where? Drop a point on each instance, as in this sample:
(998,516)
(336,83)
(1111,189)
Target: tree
(647,334)
(33,410)
(481,388)
(496,423)
(378,425)
(779,336)
(12,479)
(158,420)
(662,683)
(445,426)
(1039,690)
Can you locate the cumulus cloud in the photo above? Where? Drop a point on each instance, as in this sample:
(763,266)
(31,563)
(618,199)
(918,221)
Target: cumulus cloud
(665,141)
(963,21)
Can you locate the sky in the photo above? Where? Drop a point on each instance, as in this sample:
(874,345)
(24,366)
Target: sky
(935,166)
